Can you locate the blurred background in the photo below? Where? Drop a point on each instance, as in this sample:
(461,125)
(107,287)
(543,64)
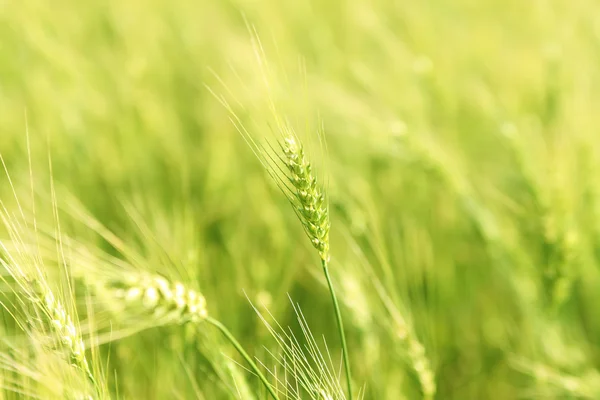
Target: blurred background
(462,170)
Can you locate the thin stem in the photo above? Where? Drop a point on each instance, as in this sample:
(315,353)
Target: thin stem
(340,324)
(243,353)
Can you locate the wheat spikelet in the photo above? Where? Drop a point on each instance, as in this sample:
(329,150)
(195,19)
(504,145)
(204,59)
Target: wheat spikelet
(309,201)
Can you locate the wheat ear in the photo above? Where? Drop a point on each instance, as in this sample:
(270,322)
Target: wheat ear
(311,207)
(175,303)
(60,323)
(54,316)
(171,301)
(421,365)
(307,198)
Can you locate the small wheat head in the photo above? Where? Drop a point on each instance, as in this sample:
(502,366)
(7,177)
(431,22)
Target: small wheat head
(64,328)
(308,199)
(172,301)
(422,367)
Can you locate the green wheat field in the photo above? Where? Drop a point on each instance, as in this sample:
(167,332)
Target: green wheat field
(285,200)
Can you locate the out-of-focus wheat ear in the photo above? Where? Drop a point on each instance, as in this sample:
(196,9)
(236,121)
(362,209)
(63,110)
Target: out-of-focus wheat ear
(27,270)
(172,302)
(167,301)
(62,324)
(584,385)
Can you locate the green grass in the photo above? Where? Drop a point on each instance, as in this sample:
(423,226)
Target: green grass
(460,164)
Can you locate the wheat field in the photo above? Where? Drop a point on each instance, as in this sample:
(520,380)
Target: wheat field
(321,199)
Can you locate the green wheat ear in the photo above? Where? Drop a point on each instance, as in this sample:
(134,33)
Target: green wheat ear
(309,202)
(311,207)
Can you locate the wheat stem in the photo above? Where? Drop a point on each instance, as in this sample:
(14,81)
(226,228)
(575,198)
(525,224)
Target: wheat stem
(340,324)
(243,353)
